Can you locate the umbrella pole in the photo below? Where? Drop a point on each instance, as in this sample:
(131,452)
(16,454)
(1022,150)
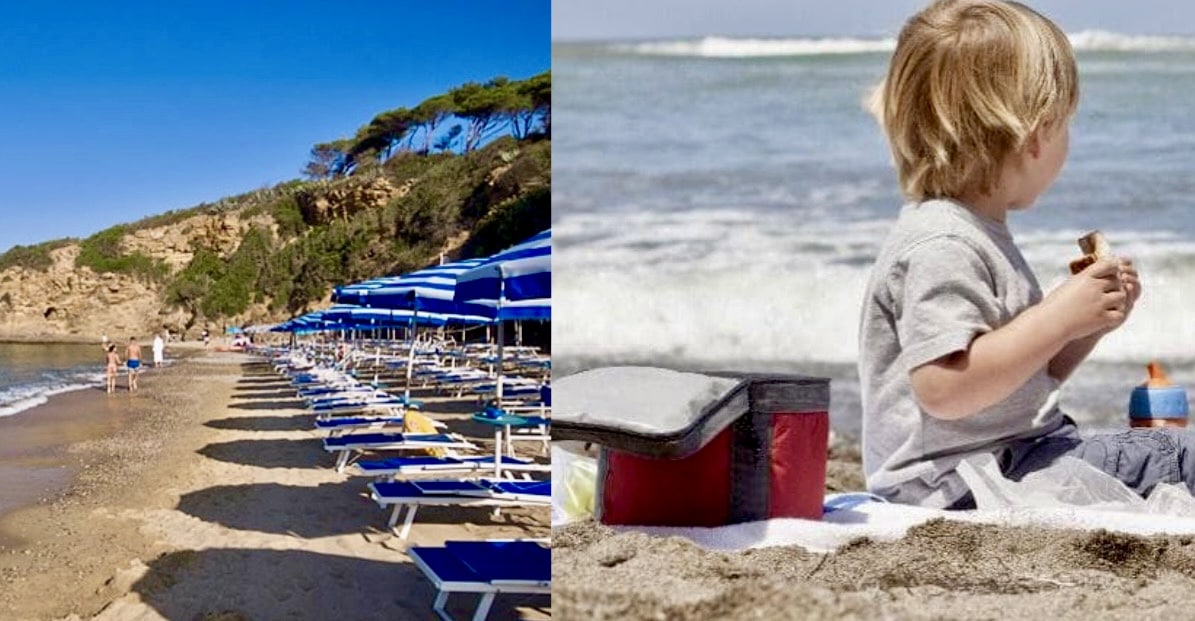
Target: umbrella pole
(410,359)
(500,363)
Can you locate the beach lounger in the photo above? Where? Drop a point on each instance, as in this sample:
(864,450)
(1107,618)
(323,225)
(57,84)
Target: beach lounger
(411,495)
(508,427)
(395,467)
(354,445)
(346,406)
(486,567)
(344,424)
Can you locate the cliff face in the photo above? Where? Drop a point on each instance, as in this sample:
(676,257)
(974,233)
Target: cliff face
(73,303)
(70,303)
(269,254)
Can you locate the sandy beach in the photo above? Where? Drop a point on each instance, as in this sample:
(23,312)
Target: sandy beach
(207,495)
(939,570)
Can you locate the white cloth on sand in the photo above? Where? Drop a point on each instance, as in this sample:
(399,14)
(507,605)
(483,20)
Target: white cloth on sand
(1069,494)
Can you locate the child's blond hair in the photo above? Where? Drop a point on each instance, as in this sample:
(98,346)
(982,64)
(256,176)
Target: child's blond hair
(969,82)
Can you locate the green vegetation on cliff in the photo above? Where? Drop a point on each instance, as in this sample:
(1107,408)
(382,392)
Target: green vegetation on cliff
(35,257)
(409,185)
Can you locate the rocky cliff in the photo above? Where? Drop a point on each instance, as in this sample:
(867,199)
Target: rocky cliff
(66,302)
(268,255)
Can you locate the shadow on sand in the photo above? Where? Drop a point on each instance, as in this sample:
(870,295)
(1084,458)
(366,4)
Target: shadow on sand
(300,422)
(288,404)
(281,393)
(239,583)
(271,453)
(326,510)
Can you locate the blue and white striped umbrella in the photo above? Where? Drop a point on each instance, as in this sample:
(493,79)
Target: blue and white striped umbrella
(513,284)
(429,290)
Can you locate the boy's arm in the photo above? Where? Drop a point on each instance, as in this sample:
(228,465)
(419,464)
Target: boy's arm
(1075,352)
(999,362)
(991,368)
(1072,355)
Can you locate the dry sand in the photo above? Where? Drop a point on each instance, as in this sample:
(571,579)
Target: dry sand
(215,500)
(939,570)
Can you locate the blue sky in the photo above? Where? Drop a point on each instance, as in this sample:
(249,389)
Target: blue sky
(636,19)
(110,112)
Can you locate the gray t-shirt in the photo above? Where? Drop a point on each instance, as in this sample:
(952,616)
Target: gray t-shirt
(944,276)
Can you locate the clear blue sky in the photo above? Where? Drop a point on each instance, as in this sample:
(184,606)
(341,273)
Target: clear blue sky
(113,111)
(637,19)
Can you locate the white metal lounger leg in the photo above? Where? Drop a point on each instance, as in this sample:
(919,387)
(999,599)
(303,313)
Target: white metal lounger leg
(342,460)
(483,607)
(394,516)
(438,606)
(406,524)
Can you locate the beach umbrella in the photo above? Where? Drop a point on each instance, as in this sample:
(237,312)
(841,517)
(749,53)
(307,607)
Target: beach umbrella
(513,284)
(428,292)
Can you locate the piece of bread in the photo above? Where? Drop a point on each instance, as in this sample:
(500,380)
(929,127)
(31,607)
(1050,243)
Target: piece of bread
(1095,247)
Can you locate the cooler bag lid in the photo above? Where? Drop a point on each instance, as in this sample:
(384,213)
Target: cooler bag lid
(662,413)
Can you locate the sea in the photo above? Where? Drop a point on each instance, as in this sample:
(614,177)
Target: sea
(30,373)
(718,203)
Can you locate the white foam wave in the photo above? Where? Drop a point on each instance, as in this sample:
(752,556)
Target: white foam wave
(1105,41)
(20,398)
(726,47)
(728,285)
(736,47)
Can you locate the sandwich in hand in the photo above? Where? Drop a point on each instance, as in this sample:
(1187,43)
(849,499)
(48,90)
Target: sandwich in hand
(1095,247)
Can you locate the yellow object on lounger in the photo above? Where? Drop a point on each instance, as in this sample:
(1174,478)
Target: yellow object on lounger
(414,422)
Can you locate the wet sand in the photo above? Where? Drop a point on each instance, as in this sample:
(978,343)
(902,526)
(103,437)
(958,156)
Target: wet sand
(35,461)
(939,570)
(208,495)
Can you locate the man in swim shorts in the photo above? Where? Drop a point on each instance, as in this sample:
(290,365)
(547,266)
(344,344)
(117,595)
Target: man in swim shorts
(133,354)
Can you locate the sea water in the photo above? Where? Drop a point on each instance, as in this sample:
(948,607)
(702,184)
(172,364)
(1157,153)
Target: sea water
(30,373)
(718,202)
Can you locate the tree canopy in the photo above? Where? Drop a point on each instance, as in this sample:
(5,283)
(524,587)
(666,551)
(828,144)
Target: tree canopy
(482,111)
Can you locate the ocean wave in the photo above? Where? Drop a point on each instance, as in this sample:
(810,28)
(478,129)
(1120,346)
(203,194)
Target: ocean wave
(1105,41)
(758,47)
(728,285)
(17,399)
(727,47)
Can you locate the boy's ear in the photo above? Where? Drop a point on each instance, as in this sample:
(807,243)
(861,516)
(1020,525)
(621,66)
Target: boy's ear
(1033,144)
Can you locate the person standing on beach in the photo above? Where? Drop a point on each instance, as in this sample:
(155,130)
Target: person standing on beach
(133,353)
(113,361)
(960,353)
(159,348)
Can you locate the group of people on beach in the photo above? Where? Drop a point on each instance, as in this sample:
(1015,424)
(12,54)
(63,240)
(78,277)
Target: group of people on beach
(132,360)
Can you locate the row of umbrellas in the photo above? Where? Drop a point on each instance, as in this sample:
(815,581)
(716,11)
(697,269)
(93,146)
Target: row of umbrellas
(514,284)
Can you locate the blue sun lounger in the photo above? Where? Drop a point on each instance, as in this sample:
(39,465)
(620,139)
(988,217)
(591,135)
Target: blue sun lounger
(342,424)
(355,444)
(411,495)
(365,401)
(486,567)
(414,466)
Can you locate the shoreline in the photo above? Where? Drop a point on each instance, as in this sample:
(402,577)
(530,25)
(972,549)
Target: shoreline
(37,442)
(215,499)
(36,463)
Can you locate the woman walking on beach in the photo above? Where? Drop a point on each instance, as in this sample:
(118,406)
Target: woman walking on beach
(134,354)
(113,363)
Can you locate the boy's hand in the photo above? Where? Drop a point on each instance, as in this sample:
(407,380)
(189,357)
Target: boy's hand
(1131,284)
(1094,300)
(1132,289)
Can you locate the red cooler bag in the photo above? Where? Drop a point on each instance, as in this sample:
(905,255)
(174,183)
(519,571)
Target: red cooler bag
(699,449)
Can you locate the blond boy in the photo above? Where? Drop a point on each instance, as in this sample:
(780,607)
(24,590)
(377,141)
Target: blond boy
(960,353)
